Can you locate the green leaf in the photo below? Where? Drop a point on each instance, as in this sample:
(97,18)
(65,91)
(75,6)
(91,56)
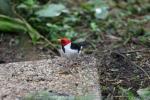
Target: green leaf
(101,12)
(86,97)
(144,39)
(60,31)
(147,17)
(98,2)
(128,93)
(131,96)
(45,95)
(147,34)
(94,27)
(32,32)
(51,10)
(70,34)
(11,24)
(16,25)
(144,93)
(100,8)
(29,2)
(5,7)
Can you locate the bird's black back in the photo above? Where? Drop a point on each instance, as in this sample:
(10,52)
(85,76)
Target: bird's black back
(76,46)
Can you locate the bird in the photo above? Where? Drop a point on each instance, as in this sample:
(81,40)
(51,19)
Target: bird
(70,49)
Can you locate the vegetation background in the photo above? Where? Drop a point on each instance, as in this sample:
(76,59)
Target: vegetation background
(30,29)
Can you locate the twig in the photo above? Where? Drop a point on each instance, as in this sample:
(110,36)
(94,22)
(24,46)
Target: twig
(142,70)
(133,51)
(52,46)
(120,96)
(27,25)
(135,65)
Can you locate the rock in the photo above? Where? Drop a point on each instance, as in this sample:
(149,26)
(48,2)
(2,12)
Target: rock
(59,74)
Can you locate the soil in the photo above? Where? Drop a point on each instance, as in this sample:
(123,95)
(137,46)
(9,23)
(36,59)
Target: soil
(18,47)
(123,67)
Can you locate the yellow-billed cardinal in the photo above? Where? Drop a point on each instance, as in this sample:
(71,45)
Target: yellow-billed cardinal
(70,49)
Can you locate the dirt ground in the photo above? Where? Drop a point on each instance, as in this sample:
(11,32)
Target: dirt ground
(125,66)
(15,48)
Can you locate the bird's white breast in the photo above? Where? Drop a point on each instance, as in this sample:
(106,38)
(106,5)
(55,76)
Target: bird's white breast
(70,52)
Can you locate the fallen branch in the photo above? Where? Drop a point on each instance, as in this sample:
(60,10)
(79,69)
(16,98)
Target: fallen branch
(134,51)
(142,70)
(21,25)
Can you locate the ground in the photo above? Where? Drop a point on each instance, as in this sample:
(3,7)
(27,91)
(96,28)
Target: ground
(127,67)
(121,67)
(14,48)
(23,79)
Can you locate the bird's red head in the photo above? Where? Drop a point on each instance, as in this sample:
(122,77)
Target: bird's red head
(64,41)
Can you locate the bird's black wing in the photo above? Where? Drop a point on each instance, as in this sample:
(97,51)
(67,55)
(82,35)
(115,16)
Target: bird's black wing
(76,46)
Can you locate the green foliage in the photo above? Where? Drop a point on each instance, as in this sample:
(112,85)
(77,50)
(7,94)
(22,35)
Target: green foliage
(6,8)
(17,25)
(94,27)
(29,2)
(101,12)
(10,24)
(99,7)
(45,95)
(144,94)
(124,19)
(56,32)
(131,96)
(51,10)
